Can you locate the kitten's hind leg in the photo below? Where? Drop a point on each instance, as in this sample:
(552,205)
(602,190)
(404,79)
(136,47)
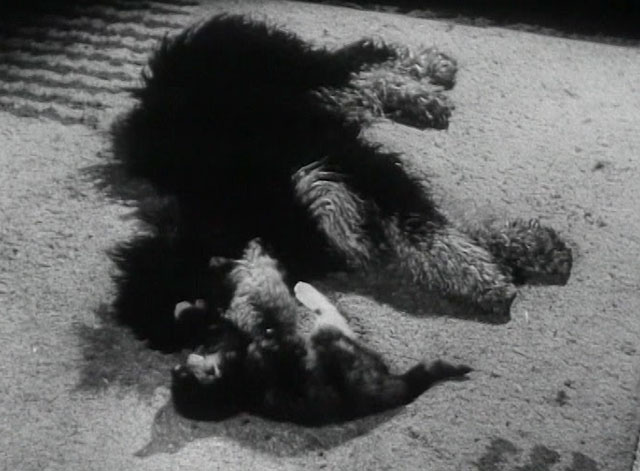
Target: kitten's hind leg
(328,314)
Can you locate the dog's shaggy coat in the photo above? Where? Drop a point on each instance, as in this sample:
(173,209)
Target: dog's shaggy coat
(250,132)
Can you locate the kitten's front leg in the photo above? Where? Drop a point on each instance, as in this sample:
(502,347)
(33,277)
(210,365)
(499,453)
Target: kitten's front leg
(328,314)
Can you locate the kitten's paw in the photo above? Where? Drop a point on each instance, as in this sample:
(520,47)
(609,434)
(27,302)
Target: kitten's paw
(311,298)
(185,308)
(180,308)
(328,314)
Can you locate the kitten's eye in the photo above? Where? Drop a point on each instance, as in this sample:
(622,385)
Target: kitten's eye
(269,332)
(231,355)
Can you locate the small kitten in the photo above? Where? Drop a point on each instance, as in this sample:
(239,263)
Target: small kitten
(257,359)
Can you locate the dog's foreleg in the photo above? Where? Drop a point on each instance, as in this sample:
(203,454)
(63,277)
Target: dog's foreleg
(426,63)
(381,93)
(365,52)
(338,212)
(409,102)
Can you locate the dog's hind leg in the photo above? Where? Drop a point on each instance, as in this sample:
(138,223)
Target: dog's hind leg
(532,252)
(449,262)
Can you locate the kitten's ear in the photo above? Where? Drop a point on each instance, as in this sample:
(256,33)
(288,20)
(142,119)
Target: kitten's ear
(312,298)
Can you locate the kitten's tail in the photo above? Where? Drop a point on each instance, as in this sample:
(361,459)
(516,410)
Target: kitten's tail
(422,376)
(398,390)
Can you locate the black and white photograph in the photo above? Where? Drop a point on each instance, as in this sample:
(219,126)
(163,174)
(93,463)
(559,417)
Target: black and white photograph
(320,235)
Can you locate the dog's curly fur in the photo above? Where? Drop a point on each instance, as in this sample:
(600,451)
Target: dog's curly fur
(250,132)
(257,357)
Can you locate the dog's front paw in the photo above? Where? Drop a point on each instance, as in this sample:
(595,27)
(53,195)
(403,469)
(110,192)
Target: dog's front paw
(420,109)
(430,64)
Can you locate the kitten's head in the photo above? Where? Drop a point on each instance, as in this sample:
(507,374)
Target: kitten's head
(206,385)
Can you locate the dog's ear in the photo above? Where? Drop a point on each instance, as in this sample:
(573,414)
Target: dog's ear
(311,298)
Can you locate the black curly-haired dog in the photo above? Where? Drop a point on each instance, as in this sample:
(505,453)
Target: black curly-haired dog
(258,357)
(246,131)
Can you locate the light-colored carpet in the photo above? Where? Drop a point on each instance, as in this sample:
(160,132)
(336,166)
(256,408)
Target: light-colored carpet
(543,127)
